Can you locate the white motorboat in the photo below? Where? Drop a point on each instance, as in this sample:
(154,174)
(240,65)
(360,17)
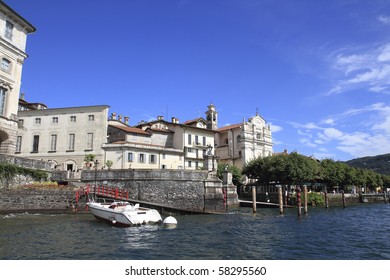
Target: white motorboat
(121,213)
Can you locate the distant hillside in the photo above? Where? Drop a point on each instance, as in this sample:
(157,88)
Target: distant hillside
(380,164)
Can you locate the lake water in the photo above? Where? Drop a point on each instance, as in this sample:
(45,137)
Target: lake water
(355,233)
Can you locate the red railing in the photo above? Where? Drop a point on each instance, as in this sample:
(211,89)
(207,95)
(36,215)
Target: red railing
(105,191)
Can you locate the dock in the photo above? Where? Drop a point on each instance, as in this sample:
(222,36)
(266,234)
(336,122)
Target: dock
(247,203)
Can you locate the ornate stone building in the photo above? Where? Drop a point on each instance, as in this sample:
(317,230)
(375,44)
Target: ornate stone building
(239,143)
(13,36)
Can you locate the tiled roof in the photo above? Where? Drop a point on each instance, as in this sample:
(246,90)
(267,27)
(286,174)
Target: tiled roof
(130,129)
(233,126)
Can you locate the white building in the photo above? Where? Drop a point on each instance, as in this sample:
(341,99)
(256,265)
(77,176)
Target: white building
(239,143)
(136,148)
(158,144)
(63,135)
(13,37)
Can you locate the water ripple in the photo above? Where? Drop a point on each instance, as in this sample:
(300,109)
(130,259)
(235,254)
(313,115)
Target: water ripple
(353,233)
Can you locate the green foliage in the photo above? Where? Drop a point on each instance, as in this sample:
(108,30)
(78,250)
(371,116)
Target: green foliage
(109,163)
(379,164)
(283,169)
(295,169)
(315,198)
(9,171)
(89,157)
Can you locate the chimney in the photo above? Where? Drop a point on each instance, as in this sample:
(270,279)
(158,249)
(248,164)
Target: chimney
(175,120)
(160,118)
(126,120)
(22,96)
(113,116)
(120,118)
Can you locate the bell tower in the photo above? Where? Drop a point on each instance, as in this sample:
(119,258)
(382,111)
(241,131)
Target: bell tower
(212,117)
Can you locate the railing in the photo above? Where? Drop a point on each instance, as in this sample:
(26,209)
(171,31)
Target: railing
(105,191)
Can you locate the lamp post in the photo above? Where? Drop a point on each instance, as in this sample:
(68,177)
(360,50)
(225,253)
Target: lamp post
(96,167)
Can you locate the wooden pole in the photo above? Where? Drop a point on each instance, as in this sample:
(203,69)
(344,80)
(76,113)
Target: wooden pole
(286,196)
(280,190)
(305,195)
(299,201)
(343,198)
(326,200)
(254,198)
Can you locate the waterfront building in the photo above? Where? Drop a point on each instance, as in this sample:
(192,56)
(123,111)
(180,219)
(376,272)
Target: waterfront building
(13,37)
(239,143)
(149,148)
(63,135)
(192,138)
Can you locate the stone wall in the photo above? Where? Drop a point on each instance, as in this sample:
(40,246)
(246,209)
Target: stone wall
(181,189)
(20,180)
(36,200)
(27,163)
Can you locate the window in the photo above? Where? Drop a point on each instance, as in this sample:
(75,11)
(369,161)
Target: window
(53,142)
(5,65)
(164,156)
(91,118)
(2,100)
(37,120)
(238,138)
(204,141)
(20,123)
(19,144)
(55,119)
(89,141)
(9,28)
(152,158)
(36,144)
(130,157)
(141,158)
(189,139)
(72,138)
(72,118)
(258,136)
(189,163)
(197,139)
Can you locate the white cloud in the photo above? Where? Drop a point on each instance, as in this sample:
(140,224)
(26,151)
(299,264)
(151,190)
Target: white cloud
(333,133)
(367,70)
(342,132)
(275,128)
(384,19)
(385,53)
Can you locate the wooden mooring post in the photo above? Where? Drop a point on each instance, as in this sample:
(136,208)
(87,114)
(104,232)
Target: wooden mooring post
(305,196)
(343,199)
(326,200)
(254,199)
(299,201)
(280,192)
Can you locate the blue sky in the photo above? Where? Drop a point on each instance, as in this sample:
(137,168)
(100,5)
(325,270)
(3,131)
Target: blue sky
(317,71)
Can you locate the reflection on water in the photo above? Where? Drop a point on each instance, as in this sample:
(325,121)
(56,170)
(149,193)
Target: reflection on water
(357,232)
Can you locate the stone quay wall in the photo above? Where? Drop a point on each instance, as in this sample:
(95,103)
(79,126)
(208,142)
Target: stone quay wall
(188,190)
(36,200)
(20,180)
(28,163)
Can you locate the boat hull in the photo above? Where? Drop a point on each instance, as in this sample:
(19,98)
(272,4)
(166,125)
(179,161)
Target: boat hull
(124,216)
